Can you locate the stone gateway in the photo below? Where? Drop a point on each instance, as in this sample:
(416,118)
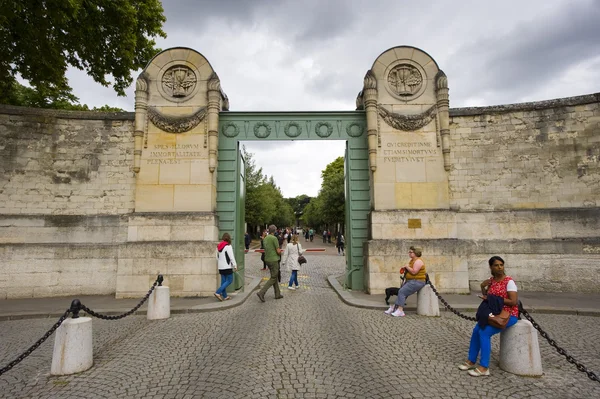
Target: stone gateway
(96,203)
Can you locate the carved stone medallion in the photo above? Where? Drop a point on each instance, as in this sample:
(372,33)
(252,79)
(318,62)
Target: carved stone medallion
(405,80)
(292,129)
(179,81)
(230,129)
(262,130)
(355,129)
(323,129)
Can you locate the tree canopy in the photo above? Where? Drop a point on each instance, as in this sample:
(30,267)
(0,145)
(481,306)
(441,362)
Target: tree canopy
(329,206)
(107,39)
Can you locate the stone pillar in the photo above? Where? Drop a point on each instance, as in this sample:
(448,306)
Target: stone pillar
(427,302)
(73,351)
(159,304)
(214,106)
(141,108)
(520,350)
(443,105)
(370,104)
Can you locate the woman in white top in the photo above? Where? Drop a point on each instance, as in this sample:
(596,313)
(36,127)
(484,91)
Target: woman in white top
(227,265)
(290,259)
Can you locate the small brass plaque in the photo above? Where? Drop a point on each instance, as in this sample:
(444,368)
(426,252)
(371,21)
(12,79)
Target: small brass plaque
(414,223)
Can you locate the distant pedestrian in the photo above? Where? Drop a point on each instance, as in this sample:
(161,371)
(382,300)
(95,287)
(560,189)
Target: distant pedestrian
(329,236)
(227,265)
(339,243)
(290,259)
(311,234)
(306,235)
(272,254)
(247,241)
(324,236)
(262,246)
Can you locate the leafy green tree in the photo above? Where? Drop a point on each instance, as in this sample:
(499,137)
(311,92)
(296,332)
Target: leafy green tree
(106,38)
(332,192)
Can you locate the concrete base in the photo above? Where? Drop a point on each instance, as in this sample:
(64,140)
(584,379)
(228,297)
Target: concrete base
(159,304)
(73,352)
(427,302)
(520,350)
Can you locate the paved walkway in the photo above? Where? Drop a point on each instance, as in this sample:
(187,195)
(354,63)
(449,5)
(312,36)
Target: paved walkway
(308,344)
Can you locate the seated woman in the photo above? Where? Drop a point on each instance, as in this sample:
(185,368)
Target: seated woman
(415,280)
(501,286)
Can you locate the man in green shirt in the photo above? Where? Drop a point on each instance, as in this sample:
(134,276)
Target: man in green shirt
(272,253)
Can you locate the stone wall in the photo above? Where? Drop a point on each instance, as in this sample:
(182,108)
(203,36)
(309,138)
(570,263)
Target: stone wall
(65,163)
(531,155)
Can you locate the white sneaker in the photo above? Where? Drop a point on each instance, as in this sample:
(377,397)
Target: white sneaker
(398,313)
(290,287)
(390,310)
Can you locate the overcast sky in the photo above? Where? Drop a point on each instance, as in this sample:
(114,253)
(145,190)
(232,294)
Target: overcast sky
(312,55)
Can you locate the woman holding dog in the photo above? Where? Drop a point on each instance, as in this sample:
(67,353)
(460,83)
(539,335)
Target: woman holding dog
(414,281)
(499,285)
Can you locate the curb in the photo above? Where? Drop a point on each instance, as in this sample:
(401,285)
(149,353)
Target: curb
(212,307)
(349,299)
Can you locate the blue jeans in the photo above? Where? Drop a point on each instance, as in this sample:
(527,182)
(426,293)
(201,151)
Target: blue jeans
(226,279)
(481,340)
(294,278)
(409,288)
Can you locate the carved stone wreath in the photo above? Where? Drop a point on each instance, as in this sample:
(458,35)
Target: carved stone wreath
(225,129)
(175,124)
(292,133)
(179,81)
(320,133)
(264,133)
(406,122)
(352,132)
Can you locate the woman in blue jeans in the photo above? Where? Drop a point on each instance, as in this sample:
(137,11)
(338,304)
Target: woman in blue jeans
(415,280)
(227,265)
(501,286)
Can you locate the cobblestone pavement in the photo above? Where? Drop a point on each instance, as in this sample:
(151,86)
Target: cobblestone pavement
(308,344)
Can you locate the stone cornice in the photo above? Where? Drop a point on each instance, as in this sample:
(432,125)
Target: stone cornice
(530,106)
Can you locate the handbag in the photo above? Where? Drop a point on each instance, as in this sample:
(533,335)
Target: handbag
(499,320)
(301,258)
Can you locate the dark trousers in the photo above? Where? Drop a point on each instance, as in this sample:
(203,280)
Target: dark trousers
(274,267)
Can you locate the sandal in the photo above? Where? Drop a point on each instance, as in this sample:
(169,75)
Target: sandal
(219,297)
(478,373)
(466,366)
(226,299)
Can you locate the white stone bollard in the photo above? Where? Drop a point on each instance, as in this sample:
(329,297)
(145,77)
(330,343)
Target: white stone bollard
(73,352)
(520,351)
(427,302)
(159,304)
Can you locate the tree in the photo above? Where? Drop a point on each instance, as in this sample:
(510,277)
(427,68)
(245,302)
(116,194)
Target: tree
(108,39)
(332,192)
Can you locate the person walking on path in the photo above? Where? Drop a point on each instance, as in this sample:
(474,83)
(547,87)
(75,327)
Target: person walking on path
(262,246)
(306,235)
(227,265)
(339,243)
(415,280)
(311,234)
(247,241)
(290,259)
(272,253)
(501,286)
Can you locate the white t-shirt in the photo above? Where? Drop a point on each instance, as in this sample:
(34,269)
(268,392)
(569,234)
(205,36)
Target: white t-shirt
(511,286)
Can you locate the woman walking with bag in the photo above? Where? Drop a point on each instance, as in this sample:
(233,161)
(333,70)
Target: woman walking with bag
(227,265)
(290,258)
(500,287)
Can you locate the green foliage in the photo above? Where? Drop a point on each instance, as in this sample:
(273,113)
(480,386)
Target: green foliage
(329,206)
(106,38)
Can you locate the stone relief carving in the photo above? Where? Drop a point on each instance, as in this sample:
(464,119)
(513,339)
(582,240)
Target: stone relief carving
(406,122)
(355,129)
(292,129)
(262,133)
(405,80)
(320,131)
(230,129)
(175,124)
(179,81)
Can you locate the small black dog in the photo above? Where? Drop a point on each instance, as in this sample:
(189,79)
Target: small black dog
(389,292)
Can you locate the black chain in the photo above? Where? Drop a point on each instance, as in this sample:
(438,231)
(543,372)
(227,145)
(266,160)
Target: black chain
(593,376)
(105,317)
(36,345)
(450,308)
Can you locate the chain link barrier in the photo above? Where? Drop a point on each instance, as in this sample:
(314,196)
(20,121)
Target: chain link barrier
(591,375)
(89,311)
(75,308)
(522,312)
(36,345)
(443,301)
